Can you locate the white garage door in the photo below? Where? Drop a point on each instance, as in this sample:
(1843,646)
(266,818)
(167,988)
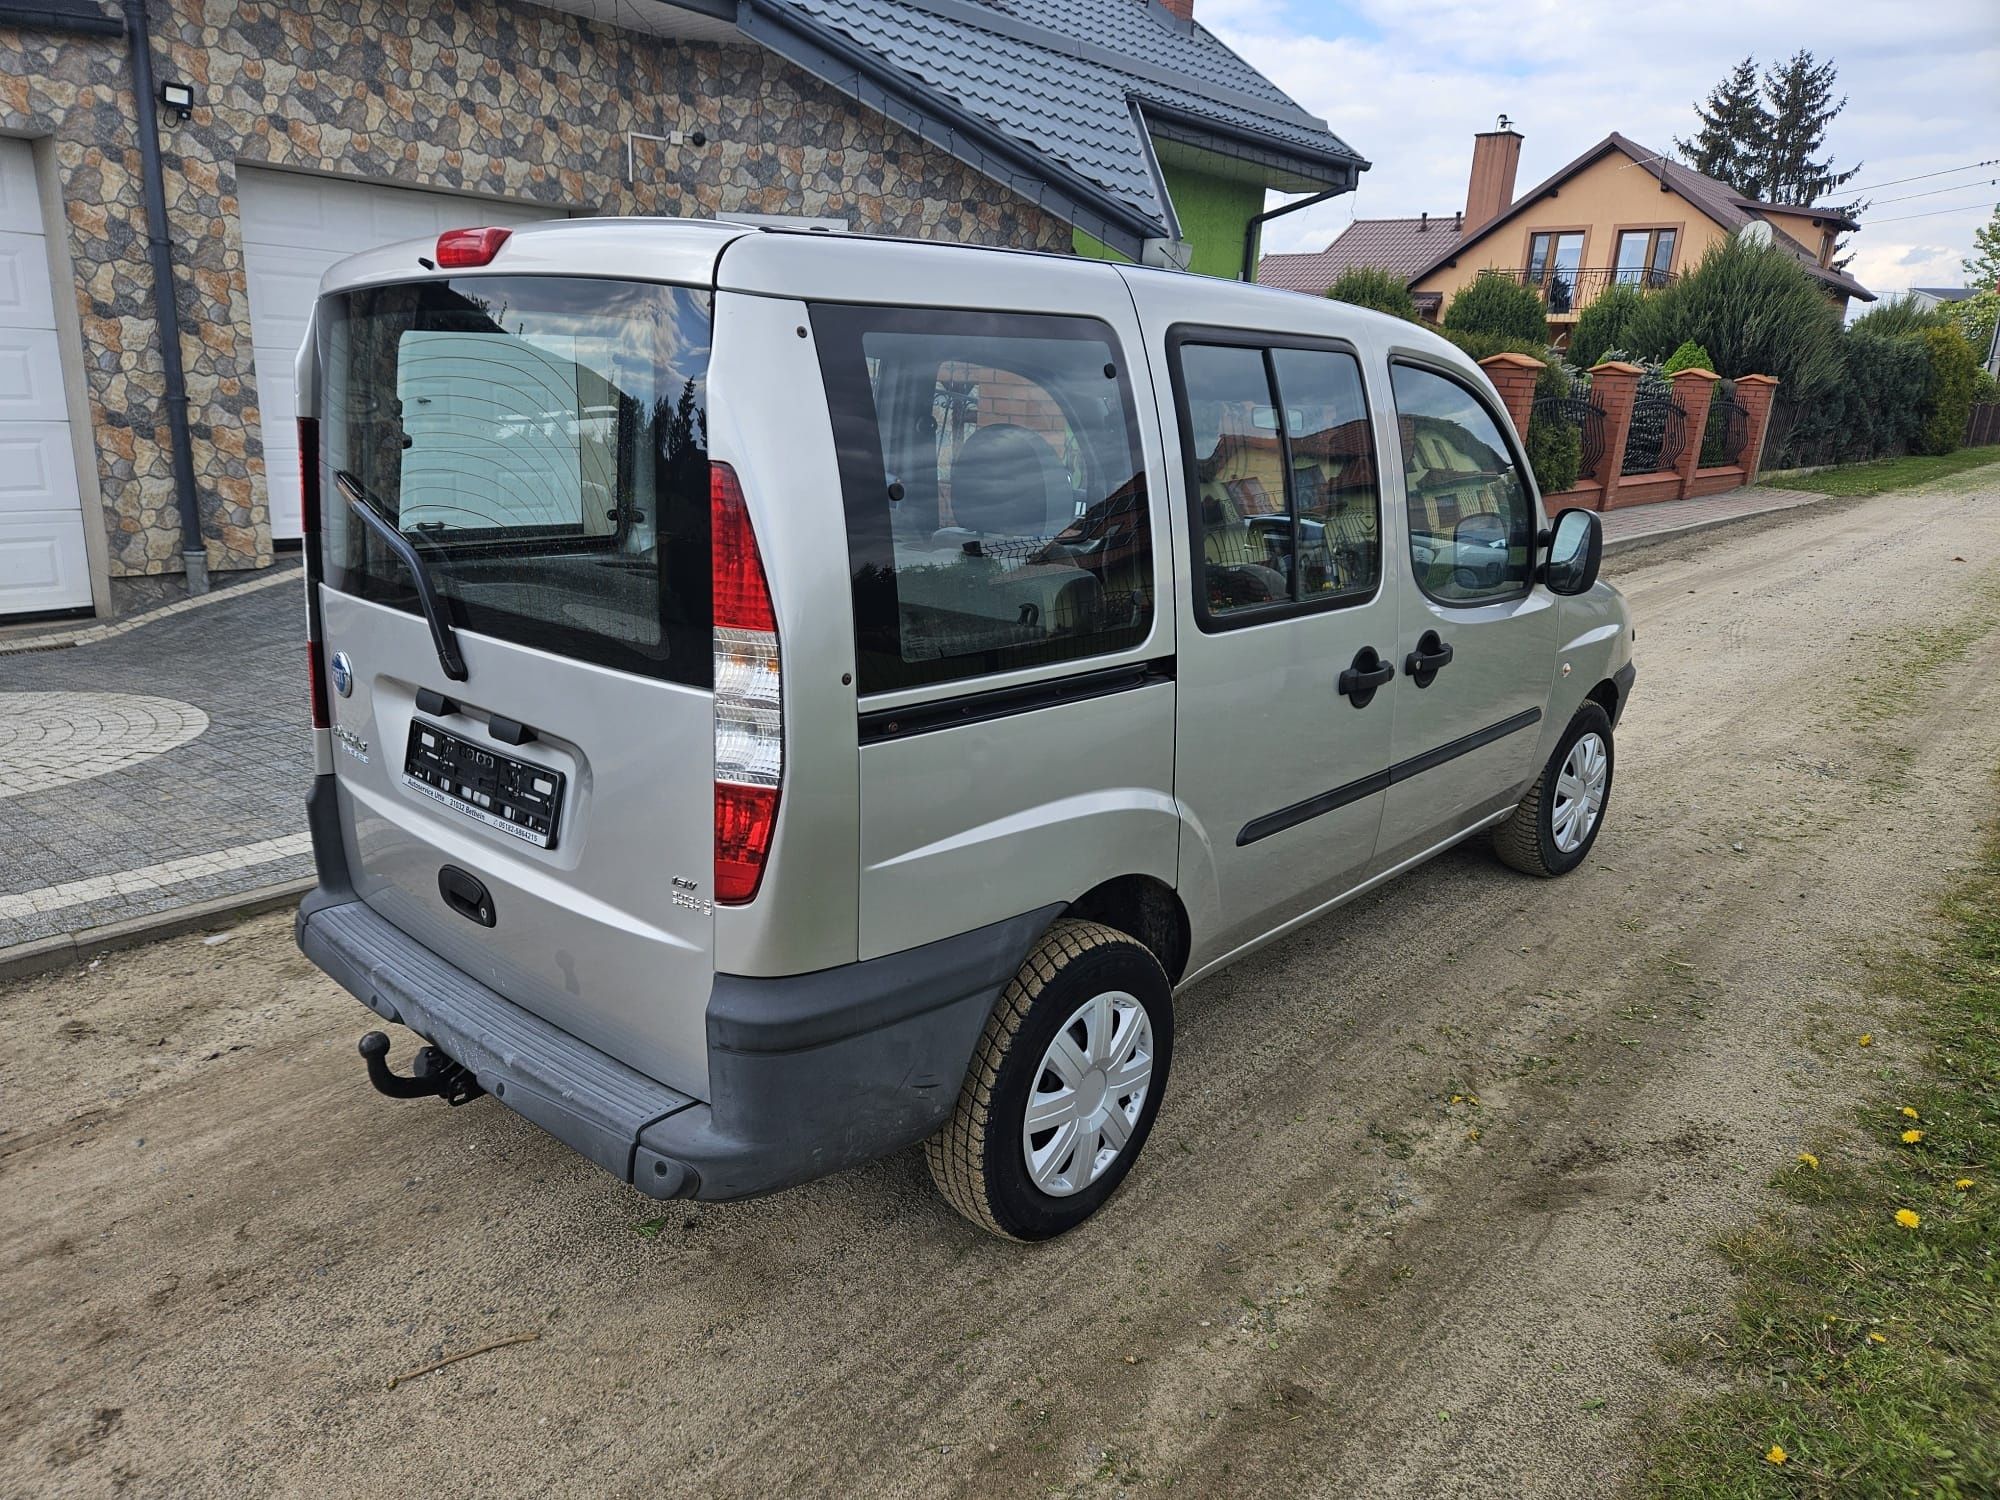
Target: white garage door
(42,561)
(294,227)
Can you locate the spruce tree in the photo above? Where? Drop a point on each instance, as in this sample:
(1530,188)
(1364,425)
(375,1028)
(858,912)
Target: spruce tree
(1730,140)
(1798,106)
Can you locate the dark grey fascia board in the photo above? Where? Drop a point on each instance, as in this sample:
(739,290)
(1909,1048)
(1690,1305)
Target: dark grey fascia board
(1054,41)
(1336,171)
(77,21)
(865,76)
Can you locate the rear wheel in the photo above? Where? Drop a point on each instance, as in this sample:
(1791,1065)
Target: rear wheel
(1557,822)
(1063,1086)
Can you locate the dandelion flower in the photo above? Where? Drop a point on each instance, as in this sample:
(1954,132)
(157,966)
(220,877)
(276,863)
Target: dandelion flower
(1909,1112)
(1777,1455)
(1878,1338)
(1908,1218)
(1810,1161)
(1911,1137)
(1964,1184)
(1867,1039)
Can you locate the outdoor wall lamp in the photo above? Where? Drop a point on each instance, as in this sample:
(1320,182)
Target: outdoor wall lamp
(179,98)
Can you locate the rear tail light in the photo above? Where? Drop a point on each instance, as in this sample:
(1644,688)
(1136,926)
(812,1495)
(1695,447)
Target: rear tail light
(316,700)
(460,248)
(749,705)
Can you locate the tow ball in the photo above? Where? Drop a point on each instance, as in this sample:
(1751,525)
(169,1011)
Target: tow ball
(433,1074)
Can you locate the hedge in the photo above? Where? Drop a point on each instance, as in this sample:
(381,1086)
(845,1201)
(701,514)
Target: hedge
(1948,401)
(1604,327)
(1497,306)
(1385,291)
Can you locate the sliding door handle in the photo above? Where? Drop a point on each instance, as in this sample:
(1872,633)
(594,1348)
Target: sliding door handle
(1431,657)
(1358,683)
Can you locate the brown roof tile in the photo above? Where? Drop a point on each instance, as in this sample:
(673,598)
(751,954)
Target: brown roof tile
(1403,246)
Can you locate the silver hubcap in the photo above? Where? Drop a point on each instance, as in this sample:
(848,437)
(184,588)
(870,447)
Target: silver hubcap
(1580,792)
(1088,1093)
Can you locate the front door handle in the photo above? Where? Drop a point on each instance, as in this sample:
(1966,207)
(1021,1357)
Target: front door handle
(1431,657)
(1358,683)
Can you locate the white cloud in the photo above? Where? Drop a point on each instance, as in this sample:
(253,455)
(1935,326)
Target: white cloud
(1407,82)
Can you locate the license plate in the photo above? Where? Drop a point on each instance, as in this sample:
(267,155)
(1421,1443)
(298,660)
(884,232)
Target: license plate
(514,797)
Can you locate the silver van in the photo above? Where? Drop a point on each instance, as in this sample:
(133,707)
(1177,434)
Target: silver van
(783,697)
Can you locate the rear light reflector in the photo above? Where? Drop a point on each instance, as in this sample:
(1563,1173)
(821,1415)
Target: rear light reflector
(309,475)
(749,700)
(459,248)
(316,688)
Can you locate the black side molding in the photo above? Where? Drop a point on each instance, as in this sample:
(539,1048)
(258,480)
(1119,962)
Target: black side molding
(1381,781)
(882,724)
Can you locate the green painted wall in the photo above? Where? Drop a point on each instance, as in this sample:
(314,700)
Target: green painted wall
(1214,213)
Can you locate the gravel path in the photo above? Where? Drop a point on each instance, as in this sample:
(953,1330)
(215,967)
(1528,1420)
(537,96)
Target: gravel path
(1436,1182)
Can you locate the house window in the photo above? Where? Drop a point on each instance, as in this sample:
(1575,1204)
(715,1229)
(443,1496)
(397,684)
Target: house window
(1554,257)
(1644,256)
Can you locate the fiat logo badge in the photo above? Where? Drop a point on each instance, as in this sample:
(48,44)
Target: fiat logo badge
(343,674)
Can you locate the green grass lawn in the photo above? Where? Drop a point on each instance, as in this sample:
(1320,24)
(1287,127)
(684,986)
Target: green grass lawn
(1865,1348)
(1886,474)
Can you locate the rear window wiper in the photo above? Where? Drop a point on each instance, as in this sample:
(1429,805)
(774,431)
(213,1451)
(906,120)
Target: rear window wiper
(443,637)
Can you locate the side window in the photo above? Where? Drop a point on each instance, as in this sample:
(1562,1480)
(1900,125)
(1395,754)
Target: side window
(1472,520)
(1282,474)
(995,491)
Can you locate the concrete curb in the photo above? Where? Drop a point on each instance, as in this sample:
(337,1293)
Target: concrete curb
(1675,533)
(39,957)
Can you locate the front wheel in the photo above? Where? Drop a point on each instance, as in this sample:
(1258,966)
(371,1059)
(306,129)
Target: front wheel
(1557,822)
(1063,1086)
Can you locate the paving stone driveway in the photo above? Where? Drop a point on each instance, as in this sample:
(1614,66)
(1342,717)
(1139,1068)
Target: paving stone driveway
(159,766)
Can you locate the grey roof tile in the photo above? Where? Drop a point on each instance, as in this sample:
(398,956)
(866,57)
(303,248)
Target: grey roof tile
(1060,76)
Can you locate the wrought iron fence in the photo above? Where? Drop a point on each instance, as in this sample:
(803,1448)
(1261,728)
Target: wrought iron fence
(1658,433)
(1577,411)
(1728,426)
(1570,291)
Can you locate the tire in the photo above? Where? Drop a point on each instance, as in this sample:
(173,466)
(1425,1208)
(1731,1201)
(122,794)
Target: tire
(980,1160)
(1531,840)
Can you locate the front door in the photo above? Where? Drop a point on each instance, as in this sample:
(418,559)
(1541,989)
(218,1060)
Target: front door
(1281,772)
(1476,642)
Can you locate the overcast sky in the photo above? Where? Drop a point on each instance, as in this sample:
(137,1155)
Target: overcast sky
(1407,82)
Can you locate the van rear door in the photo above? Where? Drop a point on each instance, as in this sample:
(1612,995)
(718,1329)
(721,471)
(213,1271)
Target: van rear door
(538,446)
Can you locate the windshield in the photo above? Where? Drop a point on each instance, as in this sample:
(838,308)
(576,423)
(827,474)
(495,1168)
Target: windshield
(542,441)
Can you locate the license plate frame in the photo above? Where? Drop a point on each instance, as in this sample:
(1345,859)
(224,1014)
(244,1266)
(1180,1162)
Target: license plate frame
(518,798)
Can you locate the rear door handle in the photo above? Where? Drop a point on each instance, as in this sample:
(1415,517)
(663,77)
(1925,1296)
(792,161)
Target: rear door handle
(1358,683)
(1431,657)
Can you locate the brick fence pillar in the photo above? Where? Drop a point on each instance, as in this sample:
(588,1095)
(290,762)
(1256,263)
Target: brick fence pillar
(1693,389)
(1614,386)
(1514,376)
(1753,394)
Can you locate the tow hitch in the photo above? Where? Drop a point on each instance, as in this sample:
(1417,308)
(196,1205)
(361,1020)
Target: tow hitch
(433,1074)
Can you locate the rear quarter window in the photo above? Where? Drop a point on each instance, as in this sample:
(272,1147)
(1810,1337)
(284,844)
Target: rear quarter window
(996,494)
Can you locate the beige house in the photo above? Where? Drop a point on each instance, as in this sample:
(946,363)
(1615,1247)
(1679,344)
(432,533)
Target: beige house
(1619,214)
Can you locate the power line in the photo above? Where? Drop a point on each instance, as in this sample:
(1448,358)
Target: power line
(1934,213)
(1956,187)
(1922,176)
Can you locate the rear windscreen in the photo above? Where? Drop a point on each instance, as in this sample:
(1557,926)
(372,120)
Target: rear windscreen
(542,442)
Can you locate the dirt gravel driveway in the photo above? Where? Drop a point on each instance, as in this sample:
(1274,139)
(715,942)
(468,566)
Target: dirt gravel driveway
(1431,1197)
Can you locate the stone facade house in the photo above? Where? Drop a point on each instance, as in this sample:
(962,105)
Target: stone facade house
(290,134)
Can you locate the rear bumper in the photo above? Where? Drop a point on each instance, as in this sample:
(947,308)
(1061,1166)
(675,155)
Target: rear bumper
(809,1074)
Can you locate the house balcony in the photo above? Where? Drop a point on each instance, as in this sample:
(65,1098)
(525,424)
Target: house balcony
(1568,292)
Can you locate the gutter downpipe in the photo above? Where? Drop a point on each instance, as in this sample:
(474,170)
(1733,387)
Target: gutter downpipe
(166,312)
(1256,223)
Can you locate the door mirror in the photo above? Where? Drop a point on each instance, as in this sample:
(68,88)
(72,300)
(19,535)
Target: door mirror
(1576,548)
